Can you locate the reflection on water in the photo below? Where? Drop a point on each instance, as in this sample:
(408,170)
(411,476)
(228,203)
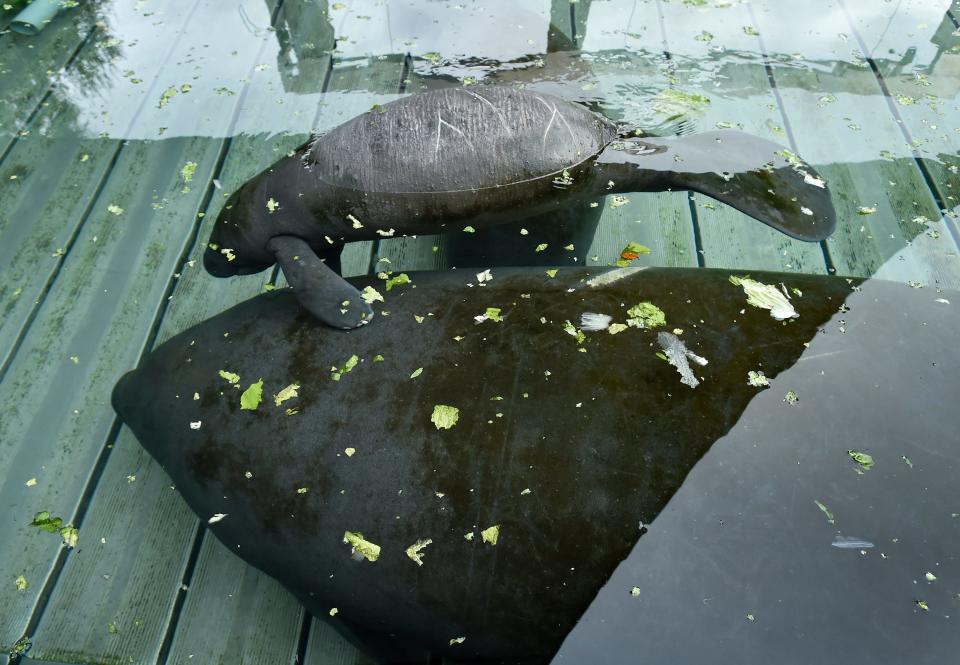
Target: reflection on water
(741,556)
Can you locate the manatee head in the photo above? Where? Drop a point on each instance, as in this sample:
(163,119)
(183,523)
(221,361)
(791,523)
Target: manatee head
(233,248)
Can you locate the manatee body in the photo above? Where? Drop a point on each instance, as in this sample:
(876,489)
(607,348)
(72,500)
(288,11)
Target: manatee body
(568,441)
(481,156)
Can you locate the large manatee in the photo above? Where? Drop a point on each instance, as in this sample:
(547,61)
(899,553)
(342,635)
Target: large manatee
(462,482)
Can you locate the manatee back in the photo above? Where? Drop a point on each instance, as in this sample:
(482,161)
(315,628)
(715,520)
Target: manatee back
(459,139)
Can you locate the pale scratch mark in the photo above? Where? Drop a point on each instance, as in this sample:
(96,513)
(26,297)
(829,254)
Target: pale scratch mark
(821,355)
(441,121)
(503,121)
(549,125)
(565,123)
(549,108)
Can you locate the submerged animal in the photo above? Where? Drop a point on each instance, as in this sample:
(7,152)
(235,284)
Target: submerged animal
(478,156)
(481,472)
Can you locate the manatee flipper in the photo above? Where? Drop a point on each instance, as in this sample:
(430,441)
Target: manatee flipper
(320,290)
(753,175)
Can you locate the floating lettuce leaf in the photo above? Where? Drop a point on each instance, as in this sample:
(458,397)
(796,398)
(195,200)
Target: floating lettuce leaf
(70,535)
(251,397)
(229,376)
(445,417)
(592,322)
(491,534)
(21,583)
(46,522)
(677,354)
(291,391)
(757,379)
(348,366)
(766,296)
(646,315)
(369,551)
(672,102)
(415,551)
(188,171)
(370,295)
(571,330)
(402,278)
(825,511)
(863,459)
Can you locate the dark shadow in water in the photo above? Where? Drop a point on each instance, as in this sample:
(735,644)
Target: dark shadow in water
(569,447)
(741,566)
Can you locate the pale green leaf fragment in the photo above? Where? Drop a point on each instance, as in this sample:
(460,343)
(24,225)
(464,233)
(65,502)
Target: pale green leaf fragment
(417,372)
(791,398)
(646,315)
(635,591)
(415,551)
(458,640)
(370,295)
(378,358)
(272,204)
(757,379)
(114,209)
(251,397)
(229,376)
(291,391)
(491,534)
(792,158)
(825,510)
(571,330)
(616,328)
(469,229)
(750,30)
(863,459)
(444,416)
(552,272)
(46,522)
(865,210)
(70,535)
(369,551)
(493,314)
(618,201)
(542,246)
(21,582)
(188,171)
(930,577)
(347,367)
(907,461)
(766,296)
(923,605)
(673,102)
(402,278)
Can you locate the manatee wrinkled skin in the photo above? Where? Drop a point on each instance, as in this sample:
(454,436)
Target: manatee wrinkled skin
(483,156)
(569,443)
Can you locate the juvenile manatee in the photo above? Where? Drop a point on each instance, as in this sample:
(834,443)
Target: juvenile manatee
(480,156)
(487,414)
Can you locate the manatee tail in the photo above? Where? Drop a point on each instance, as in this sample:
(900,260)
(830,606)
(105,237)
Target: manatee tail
(753,175)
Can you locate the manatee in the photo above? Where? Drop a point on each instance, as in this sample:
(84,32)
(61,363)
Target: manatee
(479,156)
(518,410)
